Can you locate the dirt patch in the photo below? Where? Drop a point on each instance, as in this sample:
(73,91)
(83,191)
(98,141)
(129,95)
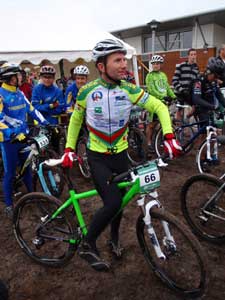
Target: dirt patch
(129,278)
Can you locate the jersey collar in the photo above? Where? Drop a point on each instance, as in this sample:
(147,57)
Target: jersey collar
(107,84)
(8,87)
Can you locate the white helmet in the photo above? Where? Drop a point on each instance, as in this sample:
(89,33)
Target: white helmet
(106,47)
(81,70)
(157,58)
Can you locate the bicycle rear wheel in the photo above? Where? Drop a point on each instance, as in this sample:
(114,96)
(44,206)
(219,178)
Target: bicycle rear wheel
(82,153)
(215,165)
(203,206)
(137,146)
(184,268)
(46,242)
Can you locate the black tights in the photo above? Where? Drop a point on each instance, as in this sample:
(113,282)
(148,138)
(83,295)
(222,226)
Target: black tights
(102,167)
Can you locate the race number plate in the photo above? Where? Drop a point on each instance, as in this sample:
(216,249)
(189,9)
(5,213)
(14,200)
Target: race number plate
(42,141)
(149,177)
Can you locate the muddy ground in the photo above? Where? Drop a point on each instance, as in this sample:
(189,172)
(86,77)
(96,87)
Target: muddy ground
(129,278)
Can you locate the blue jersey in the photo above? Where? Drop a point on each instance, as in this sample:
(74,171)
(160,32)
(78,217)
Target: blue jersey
(70,97)
(44,97)
(14,108)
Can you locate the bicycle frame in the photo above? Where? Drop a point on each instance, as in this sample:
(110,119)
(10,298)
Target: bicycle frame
(133,189)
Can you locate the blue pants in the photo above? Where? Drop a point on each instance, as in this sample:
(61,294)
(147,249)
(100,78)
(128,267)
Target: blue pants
(12,157)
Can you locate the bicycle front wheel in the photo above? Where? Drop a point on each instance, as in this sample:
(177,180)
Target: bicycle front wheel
(203,206)
(215,165)
(184,267)
(45,240)
(137,146)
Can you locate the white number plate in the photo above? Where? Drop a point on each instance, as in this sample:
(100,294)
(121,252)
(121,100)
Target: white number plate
(42,141)
(149,177)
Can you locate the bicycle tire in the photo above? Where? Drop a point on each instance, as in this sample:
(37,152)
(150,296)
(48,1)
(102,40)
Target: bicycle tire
(213,167)
(82,153)
(35,237)
(182,135)
(177,275)
(137,146)
(195,193)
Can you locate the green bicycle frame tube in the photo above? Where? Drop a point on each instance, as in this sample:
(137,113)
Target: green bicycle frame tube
(74,199)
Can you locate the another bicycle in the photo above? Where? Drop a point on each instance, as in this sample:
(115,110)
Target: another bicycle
(38,148)
(49,233)
(137,145)
(203,206)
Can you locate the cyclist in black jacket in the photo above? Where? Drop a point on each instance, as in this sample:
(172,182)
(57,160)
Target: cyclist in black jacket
(206,94)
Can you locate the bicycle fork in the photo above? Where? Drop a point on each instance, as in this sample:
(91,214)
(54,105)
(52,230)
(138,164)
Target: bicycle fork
(168,240)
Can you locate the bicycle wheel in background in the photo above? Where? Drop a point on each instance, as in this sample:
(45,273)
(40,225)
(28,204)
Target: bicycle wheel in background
(137,146)
(206,218)
(214,166)
(184,267)
(82,153)
(46,242)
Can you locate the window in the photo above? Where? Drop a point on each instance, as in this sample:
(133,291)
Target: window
(169,41)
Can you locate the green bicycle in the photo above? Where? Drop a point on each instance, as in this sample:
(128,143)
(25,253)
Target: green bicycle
(49,233)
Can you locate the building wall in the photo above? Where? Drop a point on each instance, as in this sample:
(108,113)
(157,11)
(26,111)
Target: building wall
(219,36)
(172,58)
(208,32)
(136,42)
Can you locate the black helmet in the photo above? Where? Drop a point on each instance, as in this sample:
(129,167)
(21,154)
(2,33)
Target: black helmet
(7,70)
(216,66)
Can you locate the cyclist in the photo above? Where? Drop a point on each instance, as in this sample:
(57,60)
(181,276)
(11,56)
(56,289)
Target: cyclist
(81,73)
(47,97)
(107,102)
(14,108)
(158,86)
(206,94)
(184,75)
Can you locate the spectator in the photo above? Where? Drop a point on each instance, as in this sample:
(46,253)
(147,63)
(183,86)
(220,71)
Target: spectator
(129,77)
(221,57)
(47,98)
(184,75)
(25,87)
(80,74)
(157,86)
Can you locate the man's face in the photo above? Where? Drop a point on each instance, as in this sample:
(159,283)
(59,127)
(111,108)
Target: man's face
(115,67)
(16,80)
(80,80)
(192,57)
(156,66)
(222,52)
(211,77)
(48,79)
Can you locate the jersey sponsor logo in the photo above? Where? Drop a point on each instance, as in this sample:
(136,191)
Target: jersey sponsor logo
(97,96)
(98,110)
(121,123)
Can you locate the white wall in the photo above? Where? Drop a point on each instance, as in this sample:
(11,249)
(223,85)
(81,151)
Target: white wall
(208,31)
(219,36)
(136,42)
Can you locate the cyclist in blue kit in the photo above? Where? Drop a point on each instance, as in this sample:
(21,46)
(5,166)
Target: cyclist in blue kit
(14,108)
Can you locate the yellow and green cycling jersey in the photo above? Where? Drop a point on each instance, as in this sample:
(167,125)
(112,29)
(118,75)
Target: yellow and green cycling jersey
(106,108)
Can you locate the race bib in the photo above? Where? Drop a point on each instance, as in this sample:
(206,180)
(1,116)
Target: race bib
(149,177)
(42,141)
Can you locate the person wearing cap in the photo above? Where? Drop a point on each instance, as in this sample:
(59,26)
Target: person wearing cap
(158,86)
(80,75)
(47,97)
(14,107)
(106,104)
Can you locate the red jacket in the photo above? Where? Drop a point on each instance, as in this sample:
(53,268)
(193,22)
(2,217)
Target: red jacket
(26,88)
